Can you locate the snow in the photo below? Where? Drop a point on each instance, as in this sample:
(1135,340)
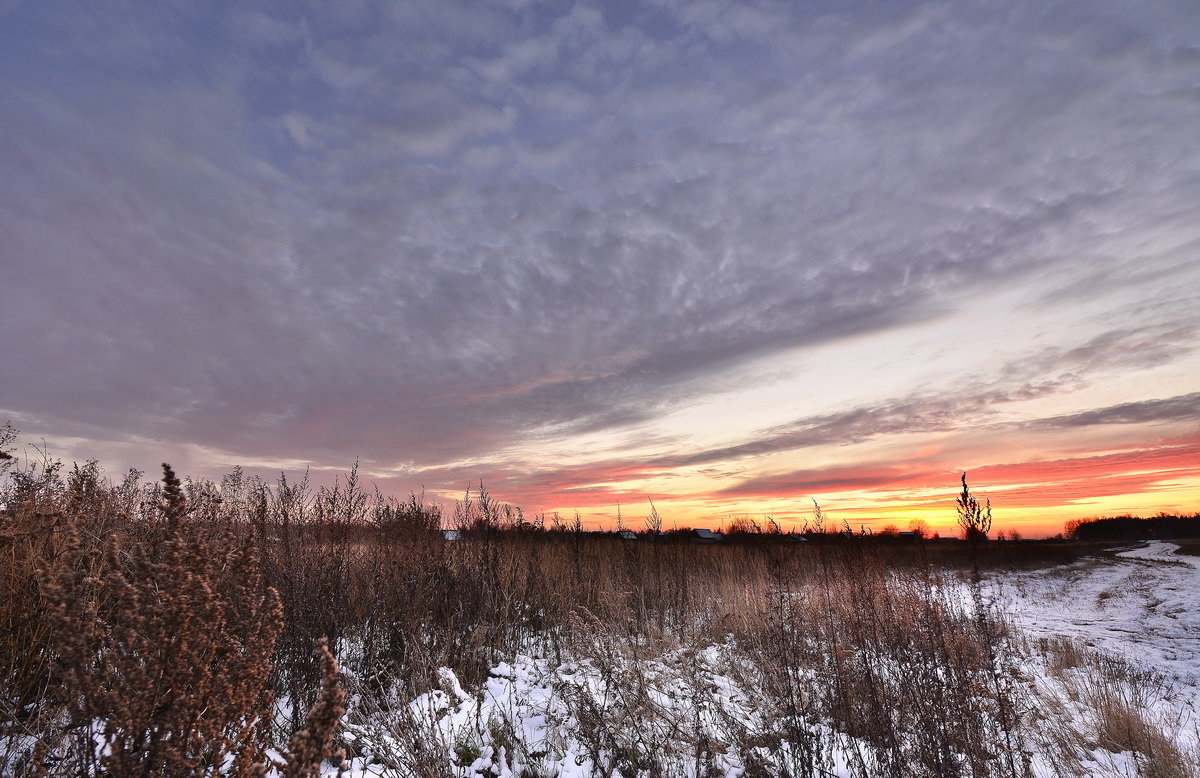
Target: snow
(1140,606)
(614,708)
(529,717)
(578,718)
(1142,603)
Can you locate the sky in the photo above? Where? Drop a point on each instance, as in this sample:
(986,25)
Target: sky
(731,257)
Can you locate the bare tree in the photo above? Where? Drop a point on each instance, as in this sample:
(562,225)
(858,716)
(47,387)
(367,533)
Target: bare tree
(974,519)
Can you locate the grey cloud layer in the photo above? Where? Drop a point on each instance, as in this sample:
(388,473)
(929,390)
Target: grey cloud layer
(422,232)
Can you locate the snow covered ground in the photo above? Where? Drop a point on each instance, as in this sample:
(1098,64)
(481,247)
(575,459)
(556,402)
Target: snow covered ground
(537,718)
(583,719)
(1142,603)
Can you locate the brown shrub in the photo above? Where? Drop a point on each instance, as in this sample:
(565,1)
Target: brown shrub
(161,652)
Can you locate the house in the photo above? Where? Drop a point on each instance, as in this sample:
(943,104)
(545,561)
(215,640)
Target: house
(627,534)
(705,536)
(451,534)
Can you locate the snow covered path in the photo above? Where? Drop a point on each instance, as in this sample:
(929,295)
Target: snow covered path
(1142,603)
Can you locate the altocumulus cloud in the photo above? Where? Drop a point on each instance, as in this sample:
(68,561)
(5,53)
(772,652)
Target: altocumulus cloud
(422,233)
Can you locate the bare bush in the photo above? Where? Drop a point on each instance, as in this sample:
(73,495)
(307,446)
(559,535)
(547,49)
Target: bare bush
(161,653)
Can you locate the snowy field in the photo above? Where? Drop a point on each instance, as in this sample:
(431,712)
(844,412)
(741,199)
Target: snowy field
(1139,610)
(1085,669)
(1142,603)
(1129,672)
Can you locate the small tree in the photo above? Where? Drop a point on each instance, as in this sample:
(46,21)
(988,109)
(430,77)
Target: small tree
(974,519)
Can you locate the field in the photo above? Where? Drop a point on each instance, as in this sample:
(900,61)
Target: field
(244,628)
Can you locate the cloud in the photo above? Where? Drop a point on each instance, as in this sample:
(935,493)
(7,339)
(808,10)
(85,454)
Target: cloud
(1182,408)
(835,479)
(422,234)
(604,481)
(978,399)
(1038,483)
(1090,478)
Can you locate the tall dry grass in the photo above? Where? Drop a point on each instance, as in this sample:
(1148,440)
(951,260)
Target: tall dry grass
(212,596)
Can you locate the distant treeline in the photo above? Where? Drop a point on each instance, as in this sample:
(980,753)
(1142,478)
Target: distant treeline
(1161,527)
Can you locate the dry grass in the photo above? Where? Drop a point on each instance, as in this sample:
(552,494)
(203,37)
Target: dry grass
(212,596)
(1124,712)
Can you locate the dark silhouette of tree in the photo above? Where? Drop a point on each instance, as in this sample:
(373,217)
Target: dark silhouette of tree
(974,519)
(1121,528)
